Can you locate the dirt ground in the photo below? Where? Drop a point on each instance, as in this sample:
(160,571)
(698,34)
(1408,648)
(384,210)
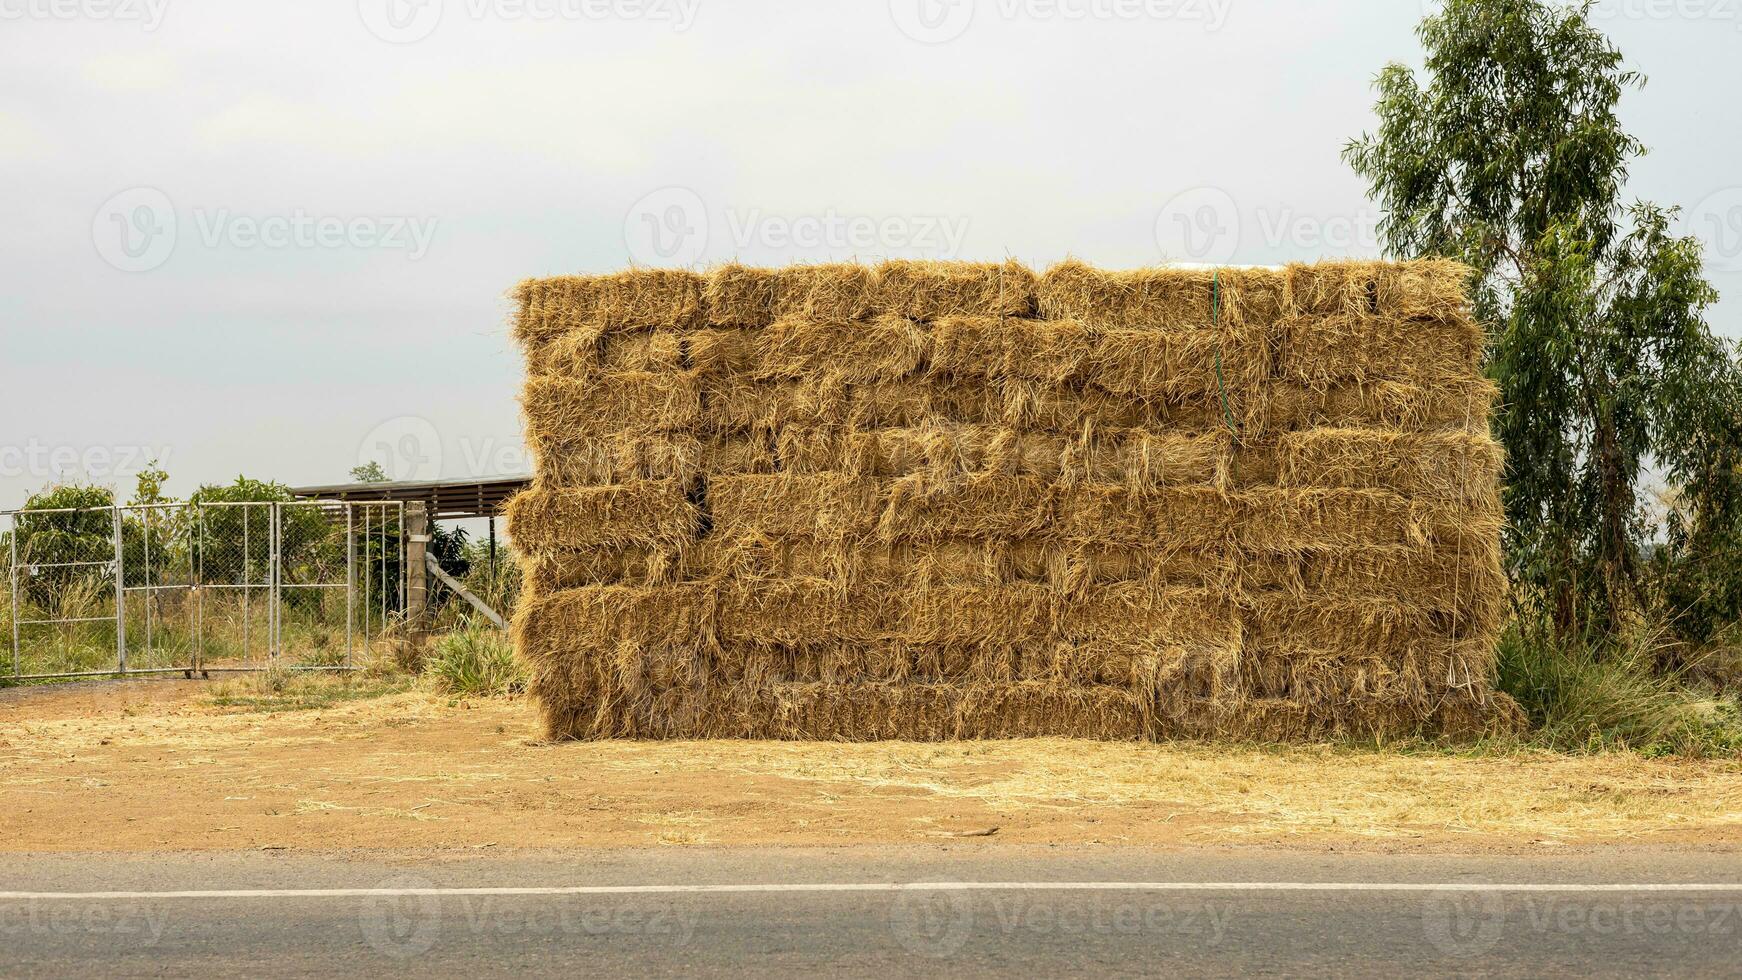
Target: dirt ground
(161,766)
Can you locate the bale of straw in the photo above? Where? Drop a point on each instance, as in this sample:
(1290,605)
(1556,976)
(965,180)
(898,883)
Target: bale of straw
(886,348)
(647,513)
(1395,290)
(1163,299)
(1450,466)
(931,290)
(559,409)
(637,298)
(622,457)
(743,296)
(1362,348)
(1051,351)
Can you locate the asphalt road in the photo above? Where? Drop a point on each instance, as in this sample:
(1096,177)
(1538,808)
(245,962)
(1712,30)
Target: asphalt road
(961,911)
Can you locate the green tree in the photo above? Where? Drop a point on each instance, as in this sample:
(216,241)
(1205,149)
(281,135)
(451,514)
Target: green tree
(234,542)
(66,545)
(148,485)
(1511,158)
(155,537)
(370,472)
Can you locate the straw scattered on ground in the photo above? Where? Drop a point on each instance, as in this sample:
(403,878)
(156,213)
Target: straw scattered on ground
(160,766)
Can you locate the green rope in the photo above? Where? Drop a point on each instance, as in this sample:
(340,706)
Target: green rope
(1216,321)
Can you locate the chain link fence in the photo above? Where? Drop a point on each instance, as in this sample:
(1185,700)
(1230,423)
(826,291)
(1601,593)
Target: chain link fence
(197,588)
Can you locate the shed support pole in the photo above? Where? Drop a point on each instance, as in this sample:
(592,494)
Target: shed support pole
(417,584)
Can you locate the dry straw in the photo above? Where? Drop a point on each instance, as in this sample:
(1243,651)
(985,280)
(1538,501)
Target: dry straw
(948,500)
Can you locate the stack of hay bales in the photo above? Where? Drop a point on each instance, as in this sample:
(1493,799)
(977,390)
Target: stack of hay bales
(929,500)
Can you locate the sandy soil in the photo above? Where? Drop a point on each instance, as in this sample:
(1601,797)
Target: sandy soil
(156,766)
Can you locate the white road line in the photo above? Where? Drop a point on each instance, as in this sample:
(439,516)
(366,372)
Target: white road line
(912,886)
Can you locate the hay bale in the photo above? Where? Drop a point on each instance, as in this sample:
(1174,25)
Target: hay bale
(1450,466)
(930,290)
(648,513)
(955,500)
(1362,348)
(1163,299)
(637,298)
(743,296)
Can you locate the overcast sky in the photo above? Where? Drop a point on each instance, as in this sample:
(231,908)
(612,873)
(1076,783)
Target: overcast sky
(275,238)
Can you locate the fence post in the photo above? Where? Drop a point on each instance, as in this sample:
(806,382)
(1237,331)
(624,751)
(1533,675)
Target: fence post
(417,576)
(12,545)
(197,568)
(120,596)
(276,607)
(350,577)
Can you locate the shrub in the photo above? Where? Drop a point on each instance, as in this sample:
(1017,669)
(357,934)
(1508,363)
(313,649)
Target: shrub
(1598,694)
(476,660)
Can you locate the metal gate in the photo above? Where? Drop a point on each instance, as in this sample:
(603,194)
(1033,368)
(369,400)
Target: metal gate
(197,588)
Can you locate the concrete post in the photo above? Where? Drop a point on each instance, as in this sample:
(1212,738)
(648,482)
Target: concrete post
(416,570)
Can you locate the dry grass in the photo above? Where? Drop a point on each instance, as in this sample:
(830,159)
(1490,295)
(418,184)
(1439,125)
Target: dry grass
(157,767)
(1274,791)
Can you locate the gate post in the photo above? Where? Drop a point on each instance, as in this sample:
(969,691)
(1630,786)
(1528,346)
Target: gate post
(120,596)
(12,567)
(416,574)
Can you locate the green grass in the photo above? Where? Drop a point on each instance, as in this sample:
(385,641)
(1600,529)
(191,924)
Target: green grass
(475,660)
(1599,696)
